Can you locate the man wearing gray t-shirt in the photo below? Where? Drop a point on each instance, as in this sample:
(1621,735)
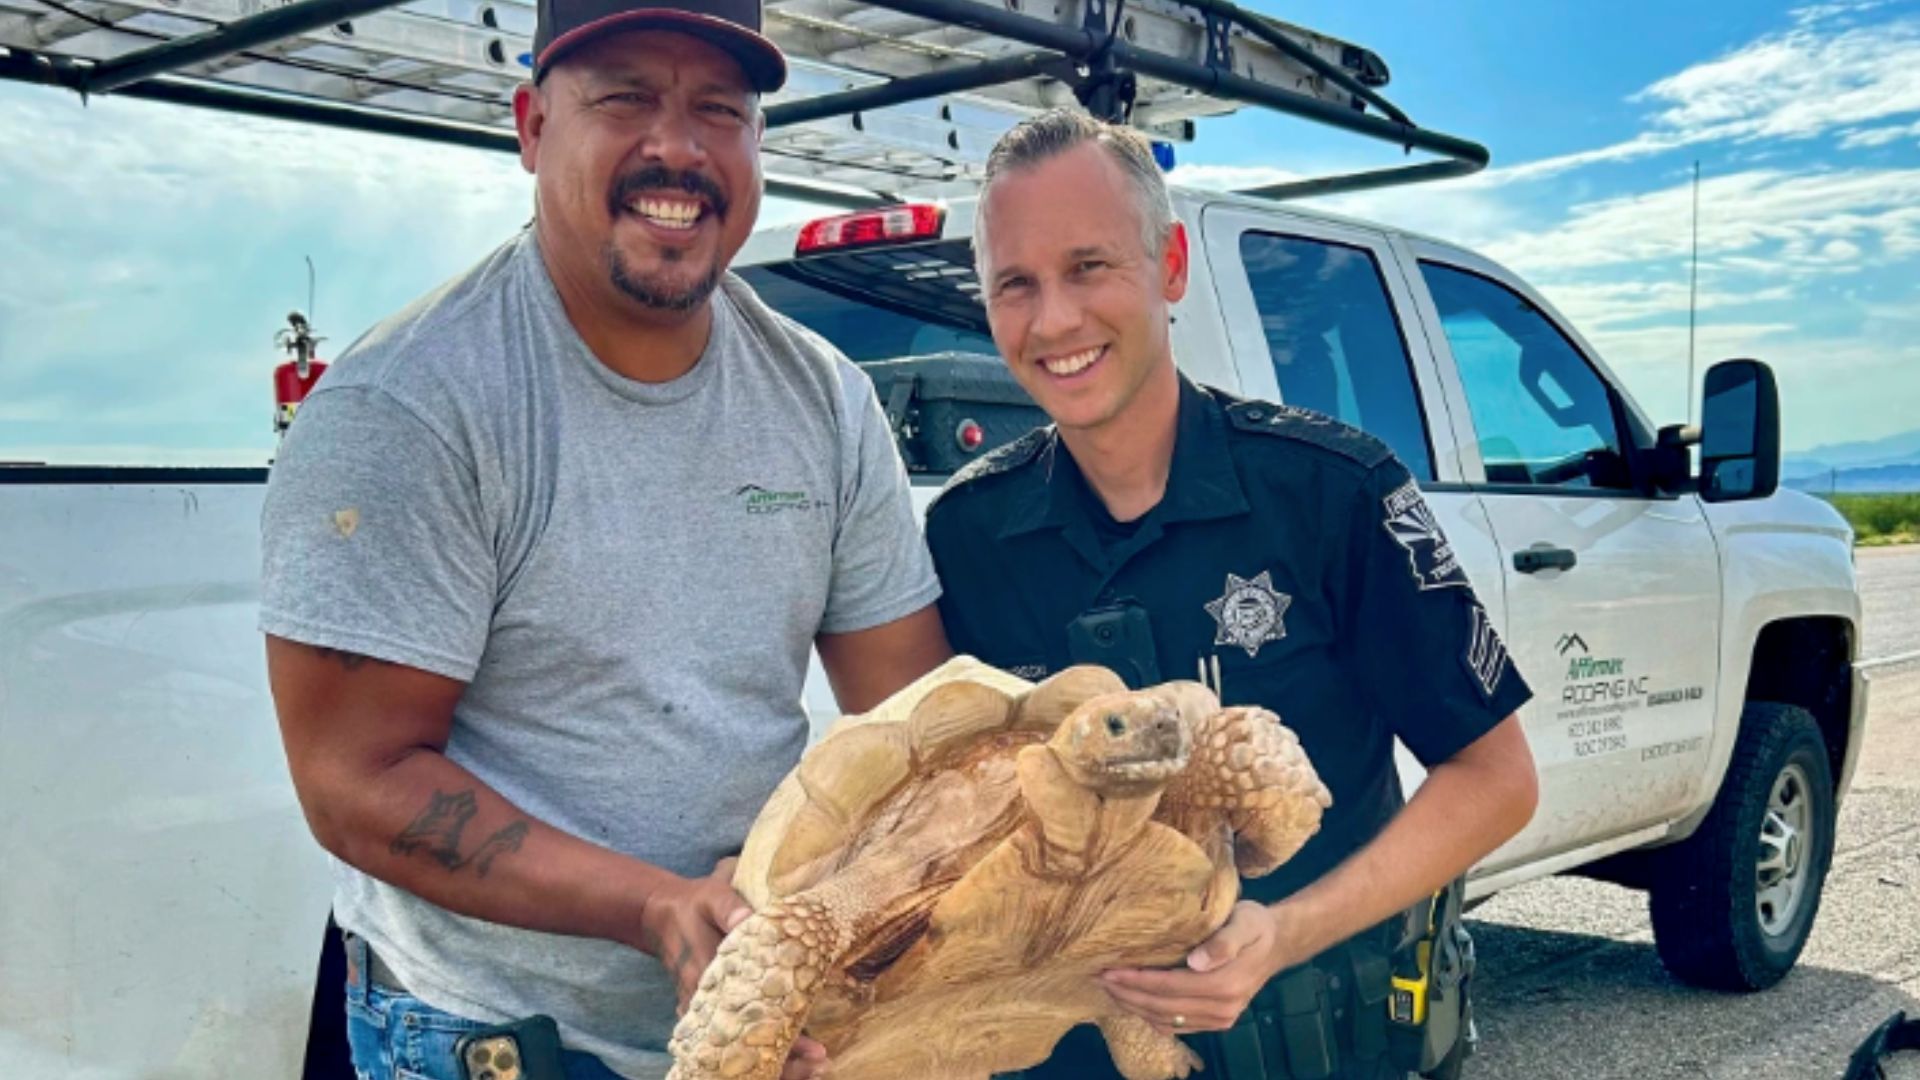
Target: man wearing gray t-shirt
(544,558)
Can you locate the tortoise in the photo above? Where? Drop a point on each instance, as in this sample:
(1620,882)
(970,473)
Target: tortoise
(938,883)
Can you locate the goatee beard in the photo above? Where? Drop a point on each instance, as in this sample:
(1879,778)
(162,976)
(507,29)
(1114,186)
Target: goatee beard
(655,295)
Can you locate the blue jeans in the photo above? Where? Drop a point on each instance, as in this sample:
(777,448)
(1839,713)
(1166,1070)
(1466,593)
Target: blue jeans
(396,1036)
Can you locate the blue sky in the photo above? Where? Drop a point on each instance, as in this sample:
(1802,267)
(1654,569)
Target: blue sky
(148,253)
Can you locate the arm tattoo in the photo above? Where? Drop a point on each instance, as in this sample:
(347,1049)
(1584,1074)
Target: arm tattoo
(436,833)
(674,950)
(352,661)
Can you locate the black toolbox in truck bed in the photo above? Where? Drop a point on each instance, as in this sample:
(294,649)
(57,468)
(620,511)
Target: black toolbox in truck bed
(931,399)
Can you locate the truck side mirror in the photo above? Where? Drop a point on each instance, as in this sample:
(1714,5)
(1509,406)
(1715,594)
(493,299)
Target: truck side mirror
(1739,432)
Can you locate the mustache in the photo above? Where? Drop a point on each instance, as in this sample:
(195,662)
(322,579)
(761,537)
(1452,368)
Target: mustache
(661,178)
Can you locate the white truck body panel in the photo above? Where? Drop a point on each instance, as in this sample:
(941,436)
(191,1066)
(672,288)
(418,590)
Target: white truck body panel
(161,900)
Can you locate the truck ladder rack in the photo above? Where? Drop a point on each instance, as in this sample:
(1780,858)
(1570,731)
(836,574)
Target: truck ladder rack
(886,100)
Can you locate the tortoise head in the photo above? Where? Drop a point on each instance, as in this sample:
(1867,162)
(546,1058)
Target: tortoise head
(1124,743)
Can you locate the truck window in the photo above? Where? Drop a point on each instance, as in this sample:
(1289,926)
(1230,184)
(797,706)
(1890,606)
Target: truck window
(882,304)
(1543,416)
(1334,340)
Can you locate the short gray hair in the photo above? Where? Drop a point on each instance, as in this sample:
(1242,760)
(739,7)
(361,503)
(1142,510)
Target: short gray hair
(1057,131)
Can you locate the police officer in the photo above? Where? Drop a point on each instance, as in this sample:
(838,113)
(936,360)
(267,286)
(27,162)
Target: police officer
(1170,531)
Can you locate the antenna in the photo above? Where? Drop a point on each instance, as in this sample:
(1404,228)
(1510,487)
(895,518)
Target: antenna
(1693,287)
(310,318)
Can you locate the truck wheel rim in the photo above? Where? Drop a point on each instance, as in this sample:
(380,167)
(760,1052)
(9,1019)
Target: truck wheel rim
(1785,833)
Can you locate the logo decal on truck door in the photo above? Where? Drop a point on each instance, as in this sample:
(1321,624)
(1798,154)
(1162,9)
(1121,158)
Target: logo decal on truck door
(1411,523)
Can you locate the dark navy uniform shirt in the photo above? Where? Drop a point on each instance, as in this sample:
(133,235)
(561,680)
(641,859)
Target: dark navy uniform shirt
(1290,550)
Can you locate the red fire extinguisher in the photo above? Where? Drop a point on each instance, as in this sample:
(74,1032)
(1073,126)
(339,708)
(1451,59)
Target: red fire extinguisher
(293,380)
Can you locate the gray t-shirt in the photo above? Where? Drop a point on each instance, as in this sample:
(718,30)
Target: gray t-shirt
(628,576)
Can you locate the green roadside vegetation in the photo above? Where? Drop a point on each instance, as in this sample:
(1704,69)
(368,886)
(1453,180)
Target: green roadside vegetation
(1881,519)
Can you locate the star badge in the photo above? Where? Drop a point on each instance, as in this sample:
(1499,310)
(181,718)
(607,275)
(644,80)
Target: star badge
(1249,612)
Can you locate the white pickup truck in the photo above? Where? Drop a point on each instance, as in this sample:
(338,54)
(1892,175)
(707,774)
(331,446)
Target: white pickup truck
(1691,640)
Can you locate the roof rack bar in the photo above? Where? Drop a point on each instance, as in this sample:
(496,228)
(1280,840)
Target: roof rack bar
(42,69)
(1075,44)
(1363,181)
(1261,29)
(24,65)
(225,40)
(951,80)
(1082,45)
(1227,84)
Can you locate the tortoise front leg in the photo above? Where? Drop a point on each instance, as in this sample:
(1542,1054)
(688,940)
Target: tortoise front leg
(755,996)
(1246,763)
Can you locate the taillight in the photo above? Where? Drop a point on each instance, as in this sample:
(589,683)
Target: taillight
(969,435)
(891,225)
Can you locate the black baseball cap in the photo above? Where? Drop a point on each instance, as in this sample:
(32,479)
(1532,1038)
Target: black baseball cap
(733,25)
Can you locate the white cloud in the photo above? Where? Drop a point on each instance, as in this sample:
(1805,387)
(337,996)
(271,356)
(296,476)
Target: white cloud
(1643,145)
(1880,136)
(1795,85)
(150,252)
(1830,384)
(1772,221)
(1596,307)
(1824,74)
(1818,13)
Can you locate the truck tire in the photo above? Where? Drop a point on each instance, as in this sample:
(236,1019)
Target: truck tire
(1733,904)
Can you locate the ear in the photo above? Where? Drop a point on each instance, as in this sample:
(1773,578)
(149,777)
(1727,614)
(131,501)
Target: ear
(529,119)
(1173,264)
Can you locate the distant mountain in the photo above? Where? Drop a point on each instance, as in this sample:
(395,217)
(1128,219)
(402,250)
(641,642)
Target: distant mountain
(1877,478)
(1821,461)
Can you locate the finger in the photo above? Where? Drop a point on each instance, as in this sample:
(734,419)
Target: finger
(803,1070)
(1165,1009)
(805,1061)
(1208,1008)
(691,960)
(723,908)
(1242,931)
(1148,982)
(1168,1022)
(723,870)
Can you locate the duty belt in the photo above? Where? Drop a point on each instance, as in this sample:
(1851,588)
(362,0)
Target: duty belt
(1320,1019)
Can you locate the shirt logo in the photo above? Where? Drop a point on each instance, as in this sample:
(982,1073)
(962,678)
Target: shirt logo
(1411,523)
(755,499)
(1249,612)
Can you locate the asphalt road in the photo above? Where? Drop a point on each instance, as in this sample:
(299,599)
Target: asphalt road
(1890,594)
(1573,987)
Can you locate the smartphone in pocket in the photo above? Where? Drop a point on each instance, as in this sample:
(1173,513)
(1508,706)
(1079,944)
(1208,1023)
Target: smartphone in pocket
(522,1050)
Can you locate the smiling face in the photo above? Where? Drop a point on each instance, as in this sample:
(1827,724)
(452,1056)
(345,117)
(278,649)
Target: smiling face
(645,146)
(1077,301)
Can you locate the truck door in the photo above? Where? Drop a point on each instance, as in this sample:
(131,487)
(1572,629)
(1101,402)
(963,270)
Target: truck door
(1613,596)
(1321,316)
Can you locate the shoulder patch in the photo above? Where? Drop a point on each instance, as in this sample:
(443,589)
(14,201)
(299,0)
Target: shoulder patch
(1003,459)
(1307,426)
(1413,526)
